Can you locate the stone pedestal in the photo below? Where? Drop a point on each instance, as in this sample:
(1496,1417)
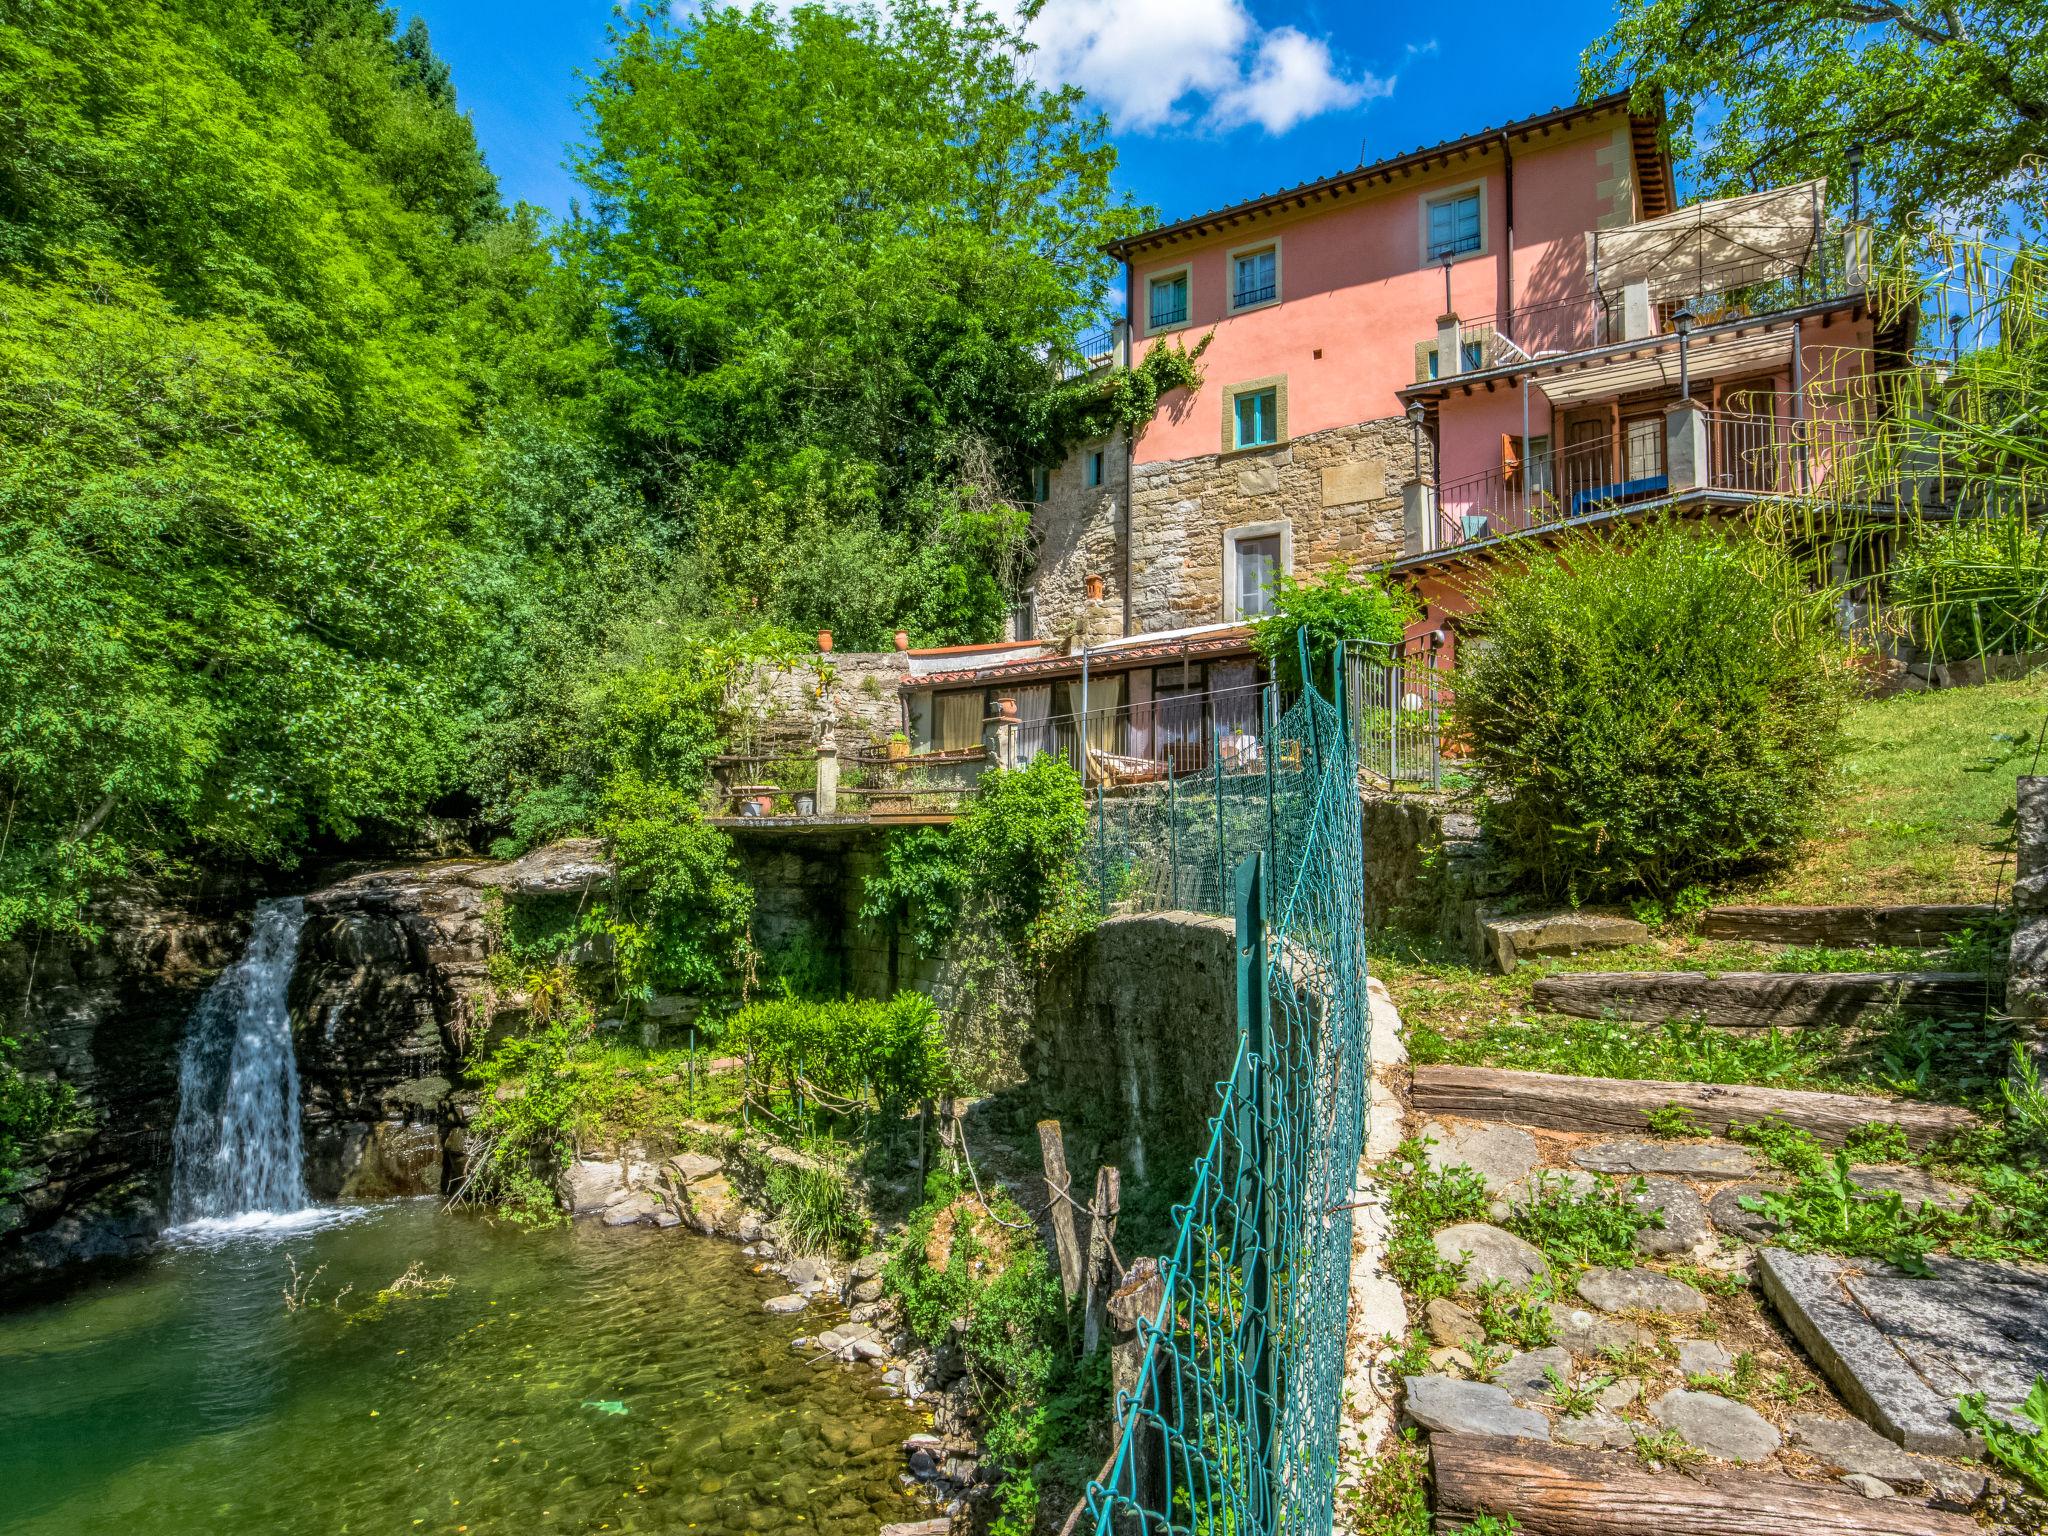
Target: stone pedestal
(1418,518)
(1687,452)
(828,779)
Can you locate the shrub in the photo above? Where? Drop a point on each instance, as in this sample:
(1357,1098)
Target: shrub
(1974,586)
(866,1053)
(818,1210)
(1335,608)
(1650,709)
(520,1139)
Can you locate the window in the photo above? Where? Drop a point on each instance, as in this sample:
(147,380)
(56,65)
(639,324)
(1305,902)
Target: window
(1257,562)
(1539,476)
(1642,447)
(1254,277)
(1024,618)
(1471,358)
(1169,304)
(1041,485)
(1258,417)
(1453,224)
(1095,468)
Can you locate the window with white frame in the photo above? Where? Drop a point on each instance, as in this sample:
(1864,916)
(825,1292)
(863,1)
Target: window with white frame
(1168,304)
(1454,225)
(1254,277)
(1257,557)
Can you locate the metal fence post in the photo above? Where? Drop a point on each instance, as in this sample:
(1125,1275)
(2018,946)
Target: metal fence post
(1101,851)
(1172,841)
(1253,1021)
(1222,852)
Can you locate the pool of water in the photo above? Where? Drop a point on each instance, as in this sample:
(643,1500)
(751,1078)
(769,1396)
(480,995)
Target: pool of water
(576,1379)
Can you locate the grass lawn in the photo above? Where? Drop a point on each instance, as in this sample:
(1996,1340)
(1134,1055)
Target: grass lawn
(1926,809)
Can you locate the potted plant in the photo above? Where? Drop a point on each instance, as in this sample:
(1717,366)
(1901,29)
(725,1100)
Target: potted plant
(899,747)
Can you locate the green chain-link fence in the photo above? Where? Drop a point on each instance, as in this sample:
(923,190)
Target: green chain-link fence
(1232,1424)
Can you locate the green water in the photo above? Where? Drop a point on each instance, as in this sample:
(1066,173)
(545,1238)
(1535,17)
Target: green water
(572,1380)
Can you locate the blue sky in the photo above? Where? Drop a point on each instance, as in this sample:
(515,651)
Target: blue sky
(1210,101)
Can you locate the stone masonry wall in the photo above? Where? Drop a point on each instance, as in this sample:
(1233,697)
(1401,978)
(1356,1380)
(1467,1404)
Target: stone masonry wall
(852,702)
(1074,534)
(1427,868)
(1338,491)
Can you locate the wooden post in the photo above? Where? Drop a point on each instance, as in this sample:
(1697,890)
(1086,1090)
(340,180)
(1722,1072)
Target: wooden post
(1136,1301)
(924,1130)
(1058,1186)
(1102,1214)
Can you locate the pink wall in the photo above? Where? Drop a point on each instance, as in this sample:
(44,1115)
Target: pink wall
(1354,285)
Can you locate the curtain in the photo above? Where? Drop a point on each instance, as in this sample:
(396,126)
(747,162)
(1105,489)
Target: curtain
(956,721)
(1234,696)
(1034,722)
(1105,721)
(1141,713)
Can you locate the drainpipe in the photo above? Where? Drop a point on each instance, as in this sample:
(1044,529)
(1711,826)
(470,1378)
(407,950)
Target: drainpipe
(1507,277)
(1130,439)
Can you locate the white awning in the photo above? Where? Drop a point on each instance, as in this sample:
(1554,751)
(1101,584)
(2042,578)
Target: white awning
(1730,242)
(1606,376)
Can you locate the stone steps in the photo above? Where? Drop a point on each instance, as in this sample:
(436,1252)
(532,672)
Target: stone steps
(1764,999)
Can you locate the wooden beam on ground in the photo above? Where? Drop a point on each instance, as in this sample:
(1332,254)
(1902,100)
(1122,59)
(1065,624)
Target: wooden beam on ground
(1061,1208)
(1556,1102)
(1554,1490)
(1762,999)
(1096,1284)
(1913,926)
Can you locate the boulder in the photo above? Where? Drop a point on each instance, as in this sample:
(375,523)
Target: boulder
(1705,1160)
(783,1306)
(1502,1155)
(589,1185)
(1489,1254)
(1511,940)
(631,1211)
(1639,1290)
(1717,1426)
(1445,1405)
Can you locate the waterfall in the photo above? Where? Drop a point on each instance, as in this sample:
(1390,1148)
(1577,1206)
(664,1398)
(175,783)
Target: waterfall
(236,1149)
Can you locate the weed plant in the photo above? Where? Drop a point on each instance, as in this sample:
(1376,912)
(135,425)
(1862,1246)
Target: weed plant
(1595,1225)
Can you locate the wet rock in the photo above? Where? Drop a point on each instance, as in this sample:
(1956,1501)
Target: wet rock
(1703,1357)
(1450,1324)
(692,1166)
(1526,1376)
(1444,1405)
(1717,1426)
(785,1305)
(1686,1229)
(1588,1333)
(1490,1254)
(1850,1445)
(1639,1290)
(1502,1155)
(1705,1160)
(665,1216)
(631,1211)
(1726,1208)
(587,1184)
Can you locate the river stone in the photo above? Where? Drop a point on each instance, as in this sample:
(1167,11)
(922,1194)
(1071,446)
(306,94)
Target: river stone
(1717,1426)
(783,1305)
(869,1265)
(585,1185)
(1588,1333)
(1444,1405)
(1492,1255)
(1596,1431)
(1850,1445)
(1684,1159)
(635,1208)
(1639,1290)
(1901,1349)
(1450,1324)
(1915,1186)
(868,1290)
(1502,1155)
(1686,1229)
(1725,1206)
(1525,1374)
(1703,1357)
(665,1216)
(692,1166)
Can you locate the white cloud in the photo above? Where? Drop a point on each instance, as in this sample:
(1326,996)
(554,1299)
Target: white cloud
(1163,63)
(1291,80)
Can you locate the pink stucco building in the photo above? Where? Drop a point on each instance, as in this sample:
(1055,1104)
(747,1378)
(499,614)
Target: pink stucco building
(1408,367)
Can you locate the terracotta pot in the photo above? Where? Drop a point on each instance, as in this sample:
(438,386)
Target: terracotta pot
(902,639)
(1094,589)
(825,641)
(1006,709)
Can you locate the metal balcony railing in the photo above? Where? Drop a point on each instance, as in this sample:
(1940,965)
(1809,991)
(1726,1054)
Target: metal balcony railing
(1244,298)
(1171,736)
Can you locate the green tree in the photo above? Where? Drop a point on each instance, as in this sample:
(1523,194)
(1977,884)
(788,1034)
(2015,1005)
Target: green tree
(843,254)
(1948,102)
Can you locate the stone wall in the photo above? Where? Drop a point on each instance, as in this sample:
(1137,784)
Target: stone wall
(1075,534)
(1427,868)
(853,700)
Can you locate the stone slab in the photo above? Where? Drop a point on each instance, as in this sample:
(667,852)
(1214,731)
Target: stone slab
(1639,1290)
(1502,1155)
(1717,1426)
(1851,1445)
(1511,940)
(1900,1349)
(1444,1405)
(1490,1254)
(1704,1160)
(1726,1208)
(1526,1376)
(1686,1229)
(1915,1186)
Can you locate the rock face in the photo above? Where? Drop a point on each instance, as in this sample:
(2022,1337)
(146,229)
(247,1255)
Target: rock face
(390,990)
(108,1019)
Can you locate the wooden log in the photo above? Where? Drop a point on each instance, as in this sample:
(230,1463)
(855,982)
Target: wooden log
(1762,999)
(1555,1102)
(1555,1490)
(1922,926)
(1059,1186)
(1102,1214)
